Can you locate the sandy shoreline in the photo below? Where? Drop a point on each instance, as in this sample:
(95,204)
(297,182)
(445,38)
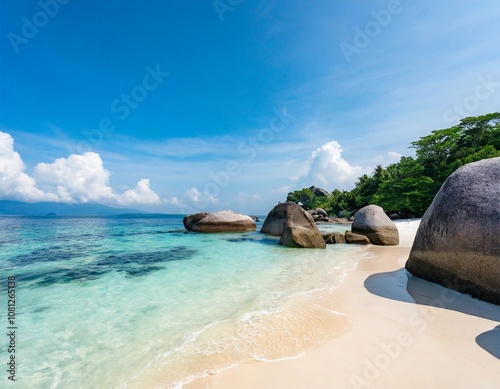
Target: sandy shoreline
(404,333)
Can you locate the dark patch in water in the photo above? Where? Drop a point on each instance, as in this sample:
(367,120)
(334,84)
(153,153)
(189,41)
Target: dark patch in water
(267,241)
(40,309)
(86,237)
(174,232)
(142,271)
(132,264)
(49,254)
(121,234)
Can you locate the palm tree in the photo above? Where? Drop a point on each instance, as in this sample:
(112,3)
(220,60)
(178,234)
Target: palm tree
(380,173)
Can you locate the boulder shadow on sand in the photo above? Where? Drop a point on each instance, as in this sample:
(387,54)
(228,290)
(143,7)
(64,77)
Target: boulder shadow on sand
(490,341)
(400,285)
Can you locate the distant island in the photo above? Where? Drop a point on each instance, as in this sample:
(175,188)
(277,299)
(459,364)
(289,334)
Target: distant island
(18,208)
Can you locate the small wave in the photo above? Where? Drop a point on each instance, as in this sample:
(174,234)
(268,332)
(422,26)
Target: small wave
(248,316)
(280,359)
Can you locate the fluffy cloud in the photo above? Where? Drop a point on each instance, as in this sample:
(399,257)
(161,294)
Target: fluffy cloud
(327,168)
(244,199)
(14,182)
(391,157)
(141,194)
(80,178)
(196,198)
(394,155)
(192,201)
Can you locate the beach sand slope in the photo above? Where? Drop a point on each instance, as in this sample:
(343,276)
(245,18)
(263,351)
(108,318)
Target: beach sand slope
(406,333)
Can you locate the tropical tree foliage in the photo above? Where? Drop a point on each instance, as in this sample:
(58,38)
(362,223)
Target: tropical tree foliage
(409,185)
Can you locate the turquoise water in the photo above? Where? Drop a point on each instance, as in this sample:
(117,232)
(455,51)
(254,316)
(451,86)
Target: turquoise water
(120,302)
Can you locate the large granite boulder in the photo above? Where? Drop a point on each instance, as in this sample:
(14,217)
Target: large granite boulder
(298,236)
(224,221)
(190,220)
(319,192)
(372,222)
(458,241)
(287,214)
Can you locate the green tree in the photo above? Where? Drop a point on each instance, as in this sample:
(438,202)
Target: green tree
(444,151)
(409,185)
(367,186)
(341,201)
(304,197)
(408,191)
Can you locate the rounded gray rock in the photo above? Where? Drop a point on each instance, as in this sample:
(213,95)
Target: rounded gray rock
(372,222)
(225,221)
(458,241)
(190,220)
(297,236)
(319,191)
(287,214)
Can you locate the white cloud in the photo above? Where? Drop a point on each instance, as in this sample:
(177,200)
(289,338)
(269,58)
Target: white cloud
(174,201)
(141,194)
(244,199)
(393,155)
(80,178)
(197,198)
(76,179)
(192,201)
(283,189)
(327,168)
(14,182)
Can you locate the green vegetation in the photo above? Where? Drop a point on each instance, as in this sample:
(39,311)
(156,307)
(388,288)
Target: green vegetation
(408,186)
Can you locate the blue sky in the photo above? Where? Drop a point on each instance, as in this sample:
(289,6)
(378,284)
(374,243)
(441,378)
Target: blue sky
(180,106)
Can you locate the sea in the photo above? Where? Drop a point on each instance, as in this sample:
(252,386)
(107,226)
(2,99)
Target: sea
(135,301)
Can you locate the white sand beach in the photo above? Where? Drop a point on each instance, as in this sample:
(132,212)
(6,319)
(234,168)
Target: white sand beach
(404,333)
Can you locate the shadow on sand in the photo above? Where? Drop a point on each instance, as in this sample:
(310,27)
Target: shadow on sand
(400,285)
(490,341)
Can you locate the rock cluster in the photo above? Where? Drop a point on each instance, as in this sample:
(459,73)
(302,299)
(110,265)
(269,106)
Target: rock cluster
(295,226)
(319,215)
(335,237)
(347,237)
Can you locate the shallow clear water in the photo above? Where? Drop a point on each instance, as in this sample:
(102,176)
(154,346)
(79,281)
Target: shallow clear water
(136,302)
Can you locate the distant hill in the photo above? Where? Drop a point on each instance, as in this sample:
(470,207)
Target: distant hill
(8,207)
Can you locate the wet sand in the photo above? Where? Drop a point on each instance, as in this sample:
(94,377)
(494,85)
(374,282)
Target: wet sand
(404,333)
